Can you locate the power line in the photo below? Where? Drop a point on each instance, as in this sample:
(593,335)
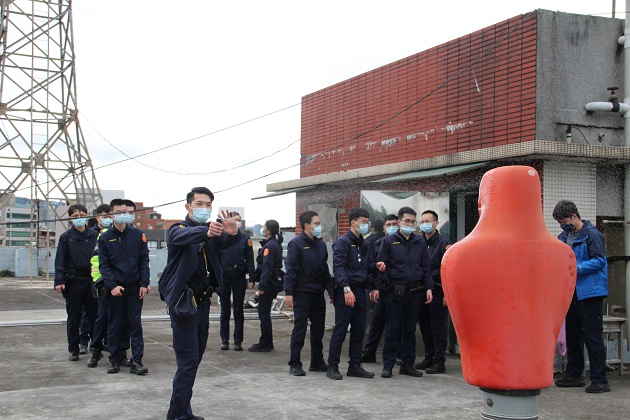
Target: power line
(431,92)
(174,145)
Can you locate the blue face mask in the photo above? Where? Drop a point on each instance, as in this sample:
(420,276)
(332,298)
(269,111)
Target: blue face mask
(262,231)
(567,227)
(363,228)
(392,229)
(317,231)
(201,214)
(426,227)
(129,218)
(120,218)
(106,222)
(79,222)
(408,229)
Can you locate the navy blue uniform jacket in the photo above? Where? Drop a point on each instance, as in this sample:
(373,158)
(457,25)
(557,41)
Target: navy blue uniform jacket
(349,265)
(268,262)
(407,260)
(74,251)
(185,261)
(240,256)
(123,257)
(306,259)
(436,247)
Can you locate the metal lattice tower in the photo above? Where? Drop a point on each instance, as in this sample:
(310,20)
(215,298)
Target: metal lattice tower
(42,149)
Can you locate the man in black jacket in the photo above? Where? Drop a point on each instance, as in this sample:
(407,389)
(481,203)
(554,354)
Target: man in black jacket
(193,262)
(73,275)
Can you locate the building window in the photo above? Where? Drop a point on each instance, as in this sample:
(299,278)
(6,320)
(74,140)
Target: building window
(152,244)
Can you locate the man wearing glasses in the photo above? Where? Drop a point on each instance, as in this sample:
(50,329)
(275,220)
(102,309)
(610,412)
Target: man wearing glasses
(73,275)
(404,259)
(124,264)
(304,284)
(350,271)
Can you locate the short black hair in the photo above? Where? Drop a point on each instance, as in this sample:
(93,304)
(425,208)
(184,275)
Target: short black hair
(117,202)
(199,190)
(356,213)
(73,208)
(565,209)
(103,208)
(435,216)
(390,217)
(377,225)
(307,217)
(406,210)
(130,203)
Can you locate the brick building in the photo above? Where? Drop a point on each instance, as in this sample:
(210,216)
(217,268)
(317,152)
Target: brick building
(154,227)
(423,130)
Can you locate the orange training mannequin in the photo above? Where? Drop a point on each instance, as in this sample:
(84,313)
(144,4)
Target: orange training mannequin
(508,286)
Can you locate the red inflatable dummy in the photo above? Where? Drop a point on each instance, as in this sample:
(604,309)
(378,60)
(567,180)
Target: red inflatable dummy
(508,286)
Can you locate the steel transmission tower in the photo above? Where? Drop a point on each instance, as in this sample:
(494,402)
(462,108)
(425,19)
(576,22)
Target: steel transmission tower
(42,149)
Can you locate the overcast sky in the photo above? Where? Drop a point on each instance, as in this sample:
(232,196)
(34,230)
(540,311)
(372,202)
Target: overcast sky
(151,74)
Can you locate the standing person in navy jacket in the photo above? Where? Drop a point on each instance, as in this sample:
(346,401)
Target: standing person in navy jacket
(432,317)
(123,258)
(269,275)
(194,261)
(404,259)
(351,272)
(73,275)
(304,285)
(584,321)
(236,261)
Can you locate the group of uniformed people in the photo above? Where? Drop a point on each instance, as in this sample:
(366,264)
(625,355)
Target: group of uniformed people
(103,272)
(399,266)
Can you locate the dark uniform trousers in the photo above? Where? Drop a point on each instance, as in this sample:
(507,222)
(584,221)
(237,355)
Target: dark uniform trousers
(377,325)
(264,315)
(432,320)
(308,306)
(401,325)
(584,325)
(122,311)
(78,293)
(233,285)
(100,327)
(190,336)
(344,316)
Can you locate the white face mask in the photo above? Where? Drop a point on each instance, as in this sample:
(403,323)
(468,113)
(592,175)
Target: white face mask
(239,224)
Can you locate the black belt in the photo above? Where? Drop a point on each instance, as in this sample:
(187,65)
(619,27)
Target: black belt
(233,270)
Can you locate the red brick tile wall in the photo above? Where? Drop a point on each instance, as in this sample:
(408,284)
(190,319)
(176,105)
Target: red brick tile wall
(339,122)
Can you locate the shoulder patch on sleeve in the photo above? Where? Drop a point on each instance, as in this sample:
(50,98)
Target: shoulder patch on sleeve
(249,242)
(266,252)
(144,237)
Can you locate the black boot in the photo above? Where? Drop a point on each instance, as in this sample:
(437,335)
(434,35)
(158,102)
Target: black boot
(225,345)
(113,367)
(437,366)
(137,367)
(358,372)
(428,361)
(333,372)
(124,362)
(406,369)
(96,356)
